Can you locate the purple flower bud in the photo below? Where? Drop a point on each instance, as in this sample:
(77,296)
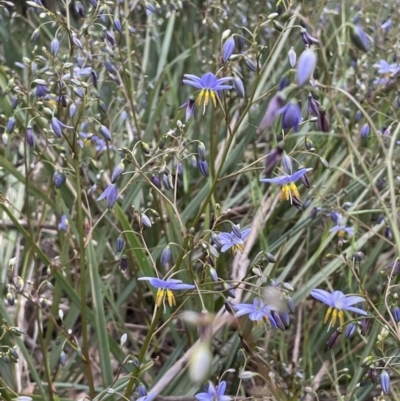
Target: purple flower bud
(111,194)
(132,29)
(238,86)
(358,116)
(179,168)
(228,48)
(304,179)
(190,107)
(118,171)
(142,390)
(54,47)
(63,224)
(120,243)
(165,255)
(93,3)
(56,125)
(272,159)
(239,40)
(72,110)
(365,326)
(58,179)
(307,39)
(76,41)
(201,150)
(396,314)
(14,102)
(11,125)
(364,132)
(146,221)
(166,182)
(109,67)
(306,66)
(105,132)
(61,100)
(79,9)
(385,382)
(41,91)
(350,330)
(291,116)
(230,291)
(359,38)
(334,338)
(35,35)
(387,25)
(322,121)
(79,92)
(278,320)
(109,38)
(203,167)
(313,105)
(63,358)
(283,83)
(155,179)
(250,64)
(123,264)
(271,113)
(103,107)
(292,57)
(94,78)
(287,164)
(285,319)
(30,136)
(290,304)
(117,25)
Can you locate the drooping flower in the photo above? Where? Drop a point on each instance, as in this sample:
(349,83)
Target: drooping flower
(307,38)
(233,240)
(291,116)
(190,108)
(165,288)
(214,393)
(338,303)
(228,48)
(272,113)
(387,71)
(306,66)
(208,85)
(238,86)
(256,311)
(339,227)
(111,194)
(289,189)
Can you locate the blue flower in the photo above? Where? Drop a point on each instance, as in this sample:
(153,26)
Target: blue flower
(339,227)
(165,287)
(214,393)
(291,116)
(256,311)
(111,193)
(208,85)
(364,132)
(233,240)
(190,107)
(147,397)
(385,68)
(63,225)
(338,302)
(289,189)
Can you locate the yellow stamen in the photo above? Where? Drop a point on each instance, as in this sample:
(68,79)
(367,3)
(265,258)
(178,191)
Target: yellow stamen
(334,316)
(237,247)
(328,313)
(293,190)
(171,298)
(285,192)
(341,318)
(200,98)
(214,98)
(206,97)
(160,296)
(340,233)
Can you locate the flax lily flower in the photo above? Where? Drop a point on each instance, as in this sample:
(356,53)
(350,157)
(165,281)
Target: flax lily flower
(289,189)
(233,240)
(208,85)
(338,303)
(165,288)
(256,311)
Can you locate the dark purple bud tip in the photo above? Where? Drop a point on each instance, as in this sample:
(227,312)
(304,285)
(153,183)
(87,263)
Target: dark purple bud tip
(120,243)
(359,38)
(334,338)
(203,167)
(228,48)
(105,132)
(123,264)
(59,179)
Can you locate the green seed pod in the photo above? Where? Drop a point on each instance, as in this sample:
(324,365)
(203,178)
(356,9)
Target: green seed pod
(309,145)
(145,148)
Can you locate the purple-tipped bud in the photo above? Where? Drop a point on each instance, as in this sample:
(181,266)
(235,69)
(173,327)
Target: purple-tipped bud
(228,48)
(238,86)
(14,102)
(190,108)
(239,40)
(93,3)
(72,109)
(292,56)
(201,150)
(291,116)
(10,299)
(146,220)
(236,231)
(76,41)
(63,358)
(358,116)
(273,159)
(306,182)
(54,47)
(272,113)
(123,264)
(250,64)
(359,38)
(165,255)
(56,127)
(118,171)
(322,121)
(229,290)
(120,244)
(59,179)
(334,338)
(364,132)
(35,34)
(94,78)
(79,9)
(109,38)
(63,224)
(313,106)
(30,136)
(109,67)
(105,132)
(287,164)
(11,125)
(385,382)
(307,39)
(290,304)
(306,66)
(203,167)
(283,83)
(213,274)
(285,319)
(277,319)
(142,390)
(350,330)
(396,314)
(365,326)
(117,25)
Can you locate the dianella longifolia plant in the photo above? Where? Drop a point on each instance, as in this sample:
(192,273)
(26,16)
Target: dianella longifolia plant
(199,199)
